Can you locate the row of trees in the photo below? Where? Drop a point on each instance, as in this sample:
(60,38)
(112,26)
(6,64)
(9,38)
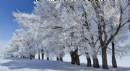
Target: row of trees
(80,27)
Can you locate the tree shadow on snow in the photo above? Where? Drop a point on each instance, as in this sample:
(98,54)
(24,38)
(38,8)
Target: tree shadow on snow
(52,65)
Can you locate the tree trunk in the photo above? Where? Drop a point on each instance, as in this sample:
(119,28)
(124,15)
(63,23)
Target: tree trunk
(77,61)
(31,57)
(72,57)
(39,55)
(88,60)
(42,56)
(114,64)
(95,63)
(61,59)
(75,57)
(23,57)
(57,59)
(42,52)
(47,58)
(104,58)
(12,55)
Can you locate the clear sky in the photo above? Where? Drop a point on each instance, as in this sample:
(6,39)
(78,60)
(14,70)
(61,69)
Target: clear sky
(7,23)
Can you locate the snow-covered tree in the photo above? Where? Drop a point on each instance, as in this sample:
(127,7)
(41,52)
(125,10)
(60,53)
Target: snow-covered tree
(110,19)
(76,27)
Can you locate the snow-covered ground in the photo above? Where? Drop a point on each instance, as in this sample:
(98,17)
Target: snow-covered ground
(18,64)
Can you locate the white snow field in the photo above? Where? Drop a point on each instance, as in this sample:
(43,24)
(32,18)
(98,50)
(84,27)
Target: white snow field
(18,64)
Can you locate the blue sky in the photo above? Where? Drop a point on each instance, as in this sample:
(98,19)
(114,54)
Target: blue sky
(7,23)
